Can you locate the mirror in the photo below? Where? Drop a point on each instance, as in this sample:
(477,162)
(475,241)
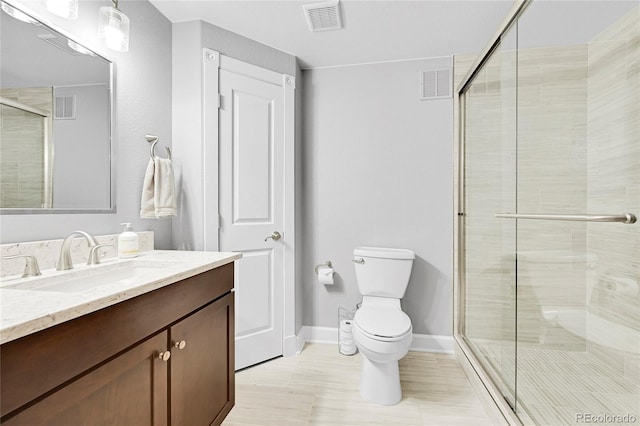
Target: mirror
(55,121)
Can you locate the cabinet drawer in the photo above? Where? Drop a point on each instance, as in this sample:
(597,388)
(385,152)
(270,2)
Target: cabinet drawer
(34,365)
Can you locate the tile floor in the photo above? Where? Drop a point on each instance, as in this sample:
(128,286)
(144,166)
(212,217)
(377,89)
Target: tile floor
(320,387)
(554,386)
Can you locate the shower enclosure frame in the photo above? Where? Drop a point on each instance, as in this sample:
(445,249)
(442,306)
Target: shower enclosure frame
(498,407)
(546,284)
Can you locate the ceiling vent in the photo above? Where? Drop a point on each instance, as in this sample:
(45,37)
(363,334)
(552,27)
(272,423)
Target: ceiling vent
(323,16)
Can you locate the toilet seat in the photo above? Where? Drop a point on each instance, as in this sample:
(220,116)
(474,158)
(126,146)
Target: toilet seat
(383,324)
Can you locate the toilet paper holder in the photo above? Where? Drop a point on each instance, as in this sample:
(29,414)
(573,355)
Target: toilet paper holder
(328,264)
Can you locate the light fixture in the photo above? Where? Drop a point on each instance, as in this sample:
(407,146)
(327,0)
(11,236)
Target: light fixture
(16,14)
(65,8)
(114,27)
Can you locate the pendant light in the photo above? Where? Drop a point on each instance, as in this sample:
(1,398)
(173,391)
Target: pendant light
(114,27)
(65,8)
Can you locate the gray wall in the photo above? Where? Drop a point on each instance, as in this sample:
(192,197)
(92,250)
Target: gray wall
(187,81)
(377,171)
(189,38)
(142,105)
(247,50)
(86,136)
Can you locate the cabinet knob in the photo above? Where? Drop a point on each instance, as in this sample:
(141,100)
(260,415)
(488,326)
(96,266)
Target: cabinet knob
(180,345)
(164,356)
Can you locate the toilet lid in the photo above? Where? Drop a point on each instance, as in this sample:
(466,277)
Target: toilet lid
(382,322)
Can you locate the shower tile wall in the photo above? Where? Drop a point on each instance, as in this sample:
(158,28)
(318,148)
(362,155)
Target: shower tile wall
(613,299)
(552,177)
(22,149)
(552,157)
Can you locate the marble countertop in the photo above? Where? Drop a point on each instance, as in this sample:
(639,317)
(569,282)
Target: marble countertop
(24,311)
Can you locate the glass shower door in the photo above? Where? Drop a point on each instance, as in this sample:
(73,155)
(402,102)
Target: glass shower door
(489,186)
(550,255)
(578,132)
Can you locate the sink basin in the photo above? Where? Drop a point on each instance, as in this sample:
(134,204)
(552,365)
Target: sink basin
(90,278)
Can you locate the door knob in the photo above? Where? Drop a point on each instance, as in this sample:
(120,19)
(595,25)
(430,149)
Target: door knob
(275,236)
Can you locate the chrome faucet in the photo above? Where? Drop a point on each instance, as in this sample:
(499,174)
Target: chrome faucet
(64,261)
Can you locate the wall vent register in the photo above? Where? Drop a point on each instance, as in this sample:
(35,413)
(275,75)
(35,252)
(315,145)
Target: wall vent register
(64,108)
(435,84)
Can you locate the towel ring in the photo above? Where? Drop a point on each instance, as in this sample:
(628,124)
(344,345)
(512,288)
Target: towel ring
(154,141)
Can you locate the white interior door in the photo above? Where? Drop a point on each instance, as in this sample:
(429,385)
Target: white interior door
(251,183)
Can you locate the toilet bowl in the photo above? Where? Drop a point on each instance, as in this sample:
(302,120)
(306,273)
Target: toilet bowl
(383,336)
(381,330)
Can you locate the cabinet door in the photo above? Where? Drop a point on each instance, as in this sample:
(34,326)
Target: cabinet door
(202,372)
(131,389)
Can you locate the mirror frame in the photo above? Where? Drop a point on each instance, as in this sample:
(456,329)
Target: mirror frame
(112,151)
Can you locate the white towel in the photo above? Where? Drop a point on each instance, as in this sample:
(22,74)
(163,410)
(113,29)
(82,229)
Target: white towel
(158,190)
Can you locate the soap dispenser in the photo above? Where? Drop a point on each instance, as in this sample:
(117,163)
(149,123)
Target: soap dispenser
(127,242)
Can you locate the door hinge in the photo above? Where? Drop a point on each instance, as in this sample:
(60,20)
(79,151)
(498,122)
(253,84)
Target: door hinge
(219,101)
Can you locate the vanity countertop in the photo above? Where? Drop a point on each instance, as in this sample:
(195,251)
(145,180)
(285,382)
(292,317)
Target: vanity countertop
(25,311)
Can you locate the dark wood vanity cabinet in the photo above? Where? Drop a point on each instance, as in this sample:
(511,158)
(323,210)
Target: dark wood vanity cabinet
(199,394)
(112,367)
(128,390)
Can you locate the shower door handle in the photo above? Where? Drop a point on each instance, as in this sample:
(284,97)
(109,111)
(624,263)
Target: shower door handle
(627,218)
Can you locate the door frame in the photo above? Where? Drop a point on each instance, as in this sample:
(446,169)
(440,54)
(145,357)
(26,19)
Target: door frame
(212,62)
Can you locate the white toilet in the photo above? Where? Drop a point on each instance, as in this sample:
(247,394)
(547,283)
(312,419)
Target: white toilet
(381,331)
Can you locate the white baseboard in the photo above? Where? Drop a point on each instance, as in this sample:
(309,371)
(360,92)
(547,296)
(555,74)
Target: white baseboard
(420,343)
(432,343)
(313,334)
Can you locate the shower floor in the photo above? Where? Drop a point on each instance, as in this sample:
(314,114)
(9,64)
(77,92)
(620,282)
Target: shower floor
(556,387)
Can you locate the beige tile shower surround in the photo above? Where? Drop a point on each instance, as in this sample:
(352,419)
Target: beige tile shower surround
(22,148)
(549,180)
(614,185)
(578,151)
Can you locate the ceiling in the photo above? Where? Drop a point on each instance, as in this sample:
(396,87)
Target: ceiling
(374,30)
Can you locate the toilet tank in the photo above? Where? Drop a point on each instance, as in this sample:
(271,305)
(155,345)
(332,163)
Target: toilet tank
(383,272)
